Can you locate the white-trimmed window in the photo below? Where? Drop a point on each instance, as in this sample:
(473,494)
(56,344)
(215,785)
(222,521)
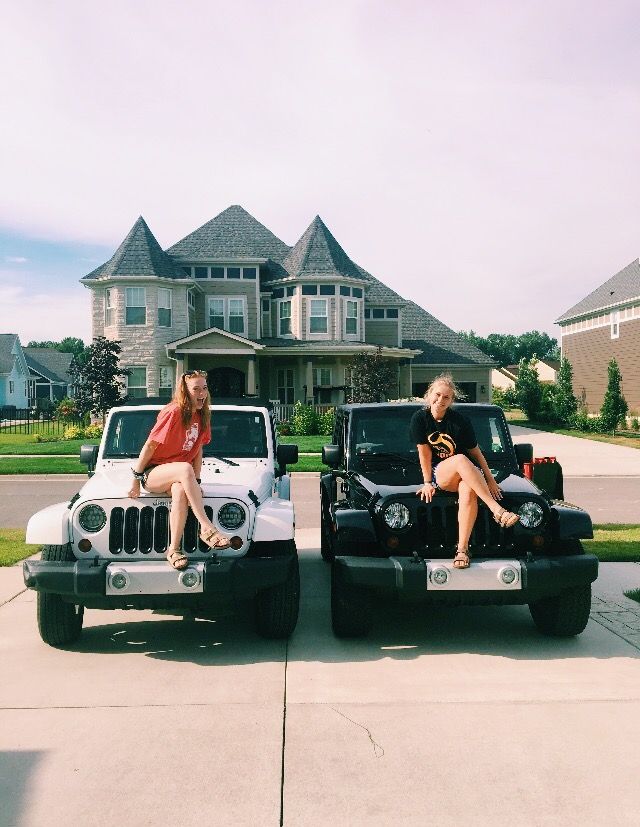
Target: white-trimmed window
(323,376)
(318,316)
(136,306)
(137,382)
(266,317)
(286,391)
(615,324)
(164,307)
(12,386)
(165,385)
(191,299)
(108,307)
(284,318)
(228,313)
(351,318)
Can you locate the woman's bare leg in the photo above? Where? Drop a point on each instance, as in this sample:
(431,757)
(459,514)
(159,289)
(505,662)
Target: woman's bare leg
(450,472)
(467,513)
(162,477)
(178,514)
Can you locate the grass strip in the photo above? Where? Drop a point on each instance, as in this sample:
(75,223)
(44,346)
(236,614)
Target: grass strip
(19,444)
(13,547)
(309,444)
(634,594)
(615,543)
(41,465)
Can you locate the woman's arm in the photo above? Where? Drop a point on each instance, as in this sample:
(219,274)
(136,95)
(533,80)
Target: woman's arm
(477,455)
(148,450)
(197,464)
(428,489)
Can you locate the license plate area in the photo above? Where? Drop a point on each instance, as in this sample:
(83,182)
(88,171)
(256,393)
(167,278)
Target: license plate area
(482,575)
(153,578)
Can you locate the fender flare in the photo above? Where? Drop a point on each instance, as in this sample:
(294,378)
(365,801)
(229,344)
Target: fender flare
(274,521)
(50,526)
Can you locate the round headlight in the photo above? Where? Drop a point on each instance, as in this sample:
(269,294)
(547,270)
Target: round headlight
(92,518)
(531,515)
(231,516)
(396,515)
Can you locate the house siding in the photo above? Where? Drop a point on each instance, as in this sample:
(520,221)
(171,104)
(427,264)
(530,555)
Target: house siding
(590,351)
(381,333)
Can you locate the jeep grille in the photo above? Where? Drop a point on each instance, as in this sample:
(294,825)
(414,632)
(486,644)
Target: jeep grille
(438,524)
(146,530)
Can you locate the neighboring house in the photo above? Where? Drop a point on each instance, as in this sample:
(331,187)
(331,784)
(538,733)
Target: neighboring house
(49,370)
(504,378)
(264,318)
(602,326)
(15,379)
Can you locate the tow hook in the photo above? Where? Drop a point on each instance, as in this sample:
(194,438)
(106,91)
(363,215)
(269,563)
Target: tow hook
(416,559)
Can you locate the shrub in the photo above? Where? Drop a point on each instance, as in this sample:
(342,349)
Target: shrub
(499,397)
(44,438)
(635,423)
(73,432)
(304,421)
(326,421)
(93,431)
(283,428)
(614,406)
(565,403)
(528,389)
(66,410)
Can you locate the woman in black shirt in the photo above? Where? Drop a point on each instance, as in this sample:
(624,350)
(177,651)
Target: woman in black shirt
(445,441)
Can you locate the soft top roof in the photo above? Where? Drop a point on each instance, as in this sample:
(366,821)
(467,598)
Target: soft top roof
(247,401)
(461,406)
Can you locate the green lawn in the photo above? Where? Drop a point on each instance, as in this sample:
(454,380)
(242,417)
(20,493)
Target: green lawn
(634,594)
(13,547)
(306,444)
(308,464)
(615,543)
(629,439)
(25,444)
(41,465)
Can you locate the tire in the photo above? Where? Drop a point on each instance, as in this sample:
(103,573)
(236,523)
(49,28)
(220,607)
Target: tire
(565,615)
(351,613)
(277,607)
(326,544)
(59,623)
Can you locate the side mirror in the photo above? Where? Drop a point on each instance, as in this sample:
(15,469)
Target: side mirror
(332,455)
(524,453)
(286,455)
(89,456)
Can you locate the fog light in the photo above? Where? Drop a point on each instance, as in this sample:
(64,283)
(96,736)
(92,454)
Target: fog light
(85,545)
(119,580)
(508,575)
(189,578)
(440,576)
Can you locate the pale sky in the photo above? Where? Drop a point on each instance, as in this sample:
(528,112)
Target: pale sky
(479,158)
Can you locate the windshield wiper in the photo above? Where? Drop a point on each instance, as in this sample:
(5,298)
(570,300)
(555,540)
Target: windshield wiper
(389,455)
(224,459)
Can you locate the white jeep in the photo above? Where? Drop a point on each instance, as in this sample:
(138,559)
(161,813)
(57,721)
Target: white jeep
(103,550)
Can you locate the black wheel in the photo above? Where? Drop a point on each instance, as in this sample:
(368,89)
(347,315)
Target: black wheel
(59,623)
(350,607)
(277,607)
(565,615)
(326,543)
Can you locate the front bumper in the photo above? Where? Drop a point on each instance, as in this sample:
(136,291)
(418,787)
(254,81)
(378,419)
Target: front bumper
(412,579)
(88,582)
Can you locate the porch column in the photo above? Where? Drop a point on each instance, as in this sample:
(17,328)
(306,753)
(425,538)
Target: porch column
(309,380)
(179,369)
(405,384)
(251,376)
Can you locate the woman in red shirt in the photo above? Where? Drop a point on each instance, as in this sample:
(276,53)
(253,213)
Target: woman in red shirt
(171,459)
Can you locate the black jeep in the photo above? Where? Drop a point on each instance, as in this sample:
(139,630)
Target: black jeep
(381,538)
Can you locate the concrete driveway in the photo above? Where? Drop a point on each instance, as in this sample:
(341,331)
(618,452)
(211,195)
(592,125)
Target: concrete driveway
(442,717)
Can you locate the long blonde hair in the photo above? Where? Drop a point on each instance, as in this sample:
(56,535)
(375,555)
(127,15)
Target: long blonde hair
(183,400)
(445,379)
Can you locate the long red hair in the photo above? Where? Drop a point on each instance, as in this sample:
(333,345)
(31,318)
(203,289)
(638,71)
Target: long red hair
(183,400)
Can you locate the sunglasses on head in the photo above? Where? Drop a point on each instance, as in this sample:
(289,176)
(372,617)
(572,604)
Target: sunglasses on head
(189,373)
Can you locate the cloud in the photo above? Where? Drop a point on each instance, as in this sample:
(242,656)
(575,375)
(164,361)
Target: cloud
(44,315)
(16,259)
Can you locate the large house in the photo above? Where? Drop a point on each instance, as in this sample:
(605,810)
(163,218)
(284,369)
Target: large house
(602,326)
(261,317)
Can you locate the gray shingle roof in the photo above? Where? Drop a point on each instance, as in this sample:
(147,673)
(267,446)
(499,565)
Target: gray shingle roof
(623,286)
(7,340)
(305,344)
(50,363)
(379,293)
(234,233)
(138,255)
(439,344)
(317,253)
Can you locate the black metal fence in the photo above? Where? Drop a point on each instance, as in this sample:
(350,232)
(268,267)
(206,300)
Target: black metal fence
(33,421)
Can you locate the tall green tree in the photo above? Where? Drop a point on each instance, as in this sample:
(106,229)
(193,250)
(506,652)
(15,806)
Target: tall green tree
(528,389)
(97,378)
(565,403)
(373,378)
(507,349)
(614,406)
(70,344)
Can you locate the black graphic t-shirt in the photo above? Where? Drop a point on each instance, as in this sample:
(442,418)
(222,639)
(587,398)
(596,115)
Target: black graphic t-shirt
(453,435)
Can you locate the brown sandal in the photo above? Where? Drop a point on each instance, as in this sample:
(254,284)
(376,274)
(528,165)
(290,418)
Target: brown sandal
(212,538)
(177,559)
(462,560)
(505,518)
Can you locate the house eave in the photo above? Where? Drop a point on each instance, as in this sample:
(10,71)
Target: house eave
(585,314)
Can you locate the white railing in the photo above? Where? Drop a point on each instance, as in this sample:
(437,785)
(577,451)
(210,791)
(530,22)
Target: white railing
(283,413)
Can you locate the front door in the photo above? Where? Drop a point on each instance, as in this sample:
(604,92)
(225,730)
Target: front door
(225,382)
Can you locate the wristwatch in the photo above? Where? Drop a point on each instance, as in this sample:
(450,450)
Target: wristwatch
(138,475)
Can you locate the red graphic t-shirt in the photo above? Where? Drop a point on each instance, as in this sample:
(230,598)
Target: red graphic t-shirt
(175,442)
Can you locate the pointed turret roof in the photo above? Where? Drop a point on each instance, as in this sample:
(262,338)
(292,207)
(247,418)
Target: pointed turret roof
(319,254)
(138,255)
(232,234)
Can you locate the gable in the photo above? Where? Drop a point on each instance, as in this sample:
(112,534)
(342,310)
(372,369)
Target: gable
(212,340)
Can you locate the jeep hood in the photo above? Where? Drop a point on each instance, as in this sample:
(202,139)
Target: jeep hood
(510,484)
(218,480)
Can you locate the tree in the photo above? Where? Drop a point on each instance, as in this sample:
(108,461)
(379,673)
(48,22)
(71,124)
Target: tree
(70,344)
(97,378)
(373,377)
(614,406)
(528,388)
(507,349)
(565,403)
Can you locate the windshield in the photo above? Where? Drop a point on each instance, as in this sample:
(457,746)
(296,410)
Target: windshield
(385,431)
(238,434)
